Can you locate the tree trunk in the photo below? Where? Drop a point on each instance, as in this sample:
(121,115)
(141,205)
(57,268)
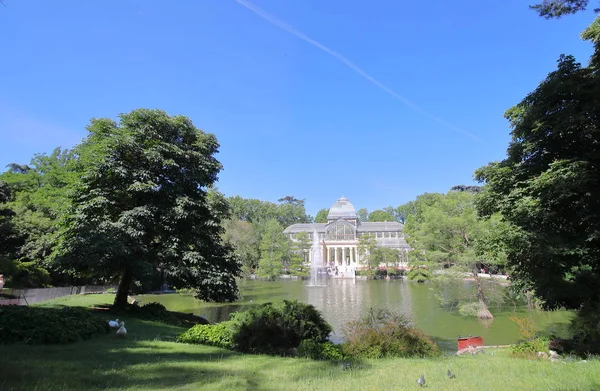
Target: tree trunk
(484,312)
(121,297)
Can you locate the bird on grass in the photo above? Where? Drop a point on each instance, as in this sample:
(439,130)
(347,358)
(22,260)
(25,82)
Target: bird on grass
(450,374)
(421,381)
(345,366)
(122,331)
(113,324)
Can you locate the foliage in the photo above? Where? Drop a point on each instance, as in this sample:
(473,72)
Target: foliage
(36,325)
(299,255)
(547,188)
(585,329)
(382,333)
(320,350)
(452,293)
(381,215)
(39,197)
(557,8)
(367,246)
(277,329)
(472,309)
(526,326)
(469,189)
(275,250)
(245,239)
(450,290)
(362,214)
(321,216)
(530,348)
(445,227)
(143,206)
(386,256)
(219,334)
(419,274)
(289,210)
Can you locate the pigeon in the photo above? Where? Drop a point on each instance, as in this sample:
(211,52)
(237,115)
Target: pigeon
(421,381)
(450,374)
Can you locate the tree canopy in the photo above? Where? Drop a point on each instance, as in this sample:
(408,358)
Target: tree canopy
(143,207)
(556,8)
(548,187)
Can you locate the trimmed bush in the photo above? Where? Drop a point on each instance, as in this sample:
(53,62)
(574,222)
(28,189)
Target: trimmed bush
(38,325)
(219,334)
(385,334)
(278,329)
(320,350)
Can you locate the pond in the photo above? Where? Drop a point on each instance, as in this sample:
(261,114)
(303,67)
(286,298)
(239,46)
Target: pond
(344,300)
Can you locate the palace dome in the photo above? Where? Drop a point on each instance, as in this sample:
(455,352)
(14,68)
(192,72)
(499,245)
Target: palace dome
(342,208)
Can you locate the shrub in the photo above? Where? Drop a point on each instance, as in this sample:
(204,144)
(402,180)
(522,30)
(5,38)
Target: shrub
(219,334)
(530,348)
(38,325)
(585,328)
(278,329)
(385,334)
(320,350)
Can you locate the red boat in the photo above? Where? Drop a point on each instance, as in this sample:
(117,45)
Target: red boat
(469,342)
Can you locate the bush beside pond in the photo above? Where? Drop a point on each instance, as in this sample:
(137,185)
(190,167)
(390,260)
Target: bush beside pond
(220,334)
(38,325)
(385,334)
(294,328)
(270,329)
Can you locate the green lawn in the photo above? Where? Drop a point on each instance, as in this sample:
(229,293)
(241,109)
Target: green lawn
(148,360)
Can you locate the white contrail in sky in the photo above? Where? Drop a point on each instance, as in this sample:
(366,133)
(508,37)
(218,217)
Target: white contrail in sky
(286,27)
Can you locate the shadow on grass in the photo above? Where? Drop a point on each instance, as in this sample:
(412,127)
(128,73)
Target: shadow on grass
(143,360)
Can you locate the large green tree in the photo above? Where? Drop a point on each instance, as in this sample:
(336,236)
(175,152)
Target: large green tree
(381,215)
(548,187)
(143,205)
(245,239)
(40,197)
(321,216)
(274,251)
(367,251)
(9,238)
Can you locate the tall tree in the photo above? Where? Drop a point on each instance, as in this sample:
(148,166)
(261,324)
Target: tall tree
(245,239)
(275,251)
(367,250)
(447,232)
(143,205)
(363,214)
(404,211)
(292,212)
(321,216)
(9,238)
(299,257)
(548,187)
(381,215)
(40,197)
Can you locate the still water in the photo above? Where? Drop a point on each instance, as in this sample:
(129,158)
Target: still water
(342,301)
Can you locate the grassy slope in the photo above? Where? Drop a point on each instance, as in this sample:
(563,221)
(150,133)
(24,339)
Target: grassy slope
(147,360)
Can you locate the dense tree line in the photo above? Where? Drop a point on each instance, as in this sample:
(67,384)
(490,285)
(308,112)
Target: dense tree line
(134,202)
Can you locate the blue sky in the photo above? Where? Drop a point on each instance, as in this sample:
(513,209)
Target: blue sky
(380,101)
